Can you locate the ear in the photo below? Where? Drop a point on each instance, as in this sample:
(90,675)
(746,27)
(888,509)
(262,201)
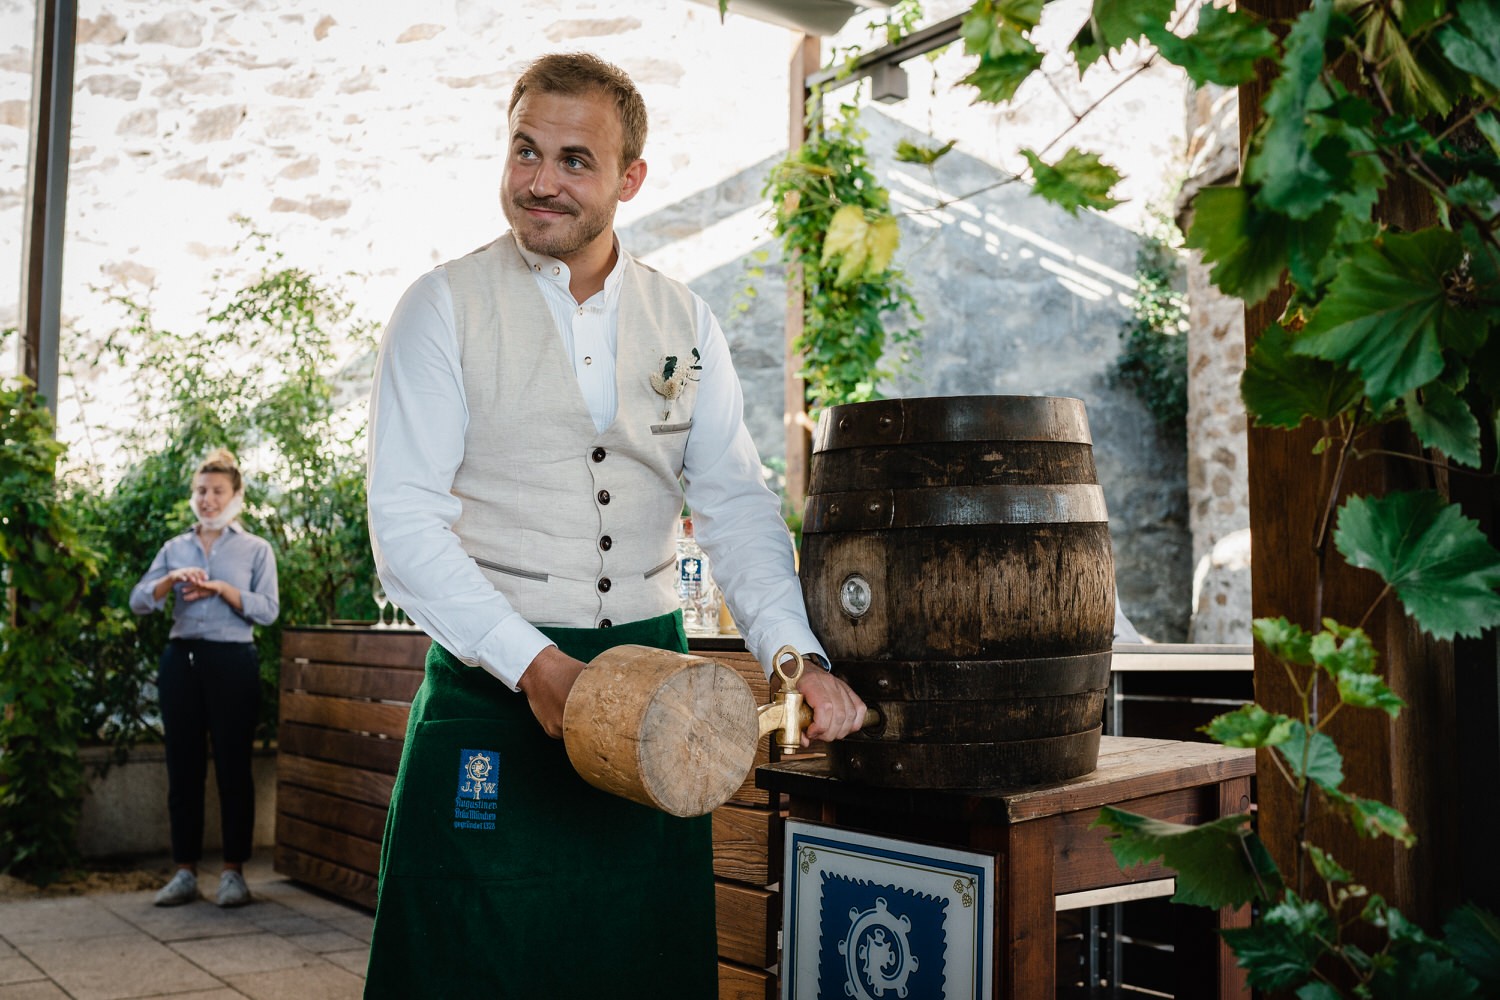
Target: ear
(632,179)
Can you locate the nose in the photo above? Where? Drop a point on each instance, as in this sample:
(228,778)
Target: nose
(544,181)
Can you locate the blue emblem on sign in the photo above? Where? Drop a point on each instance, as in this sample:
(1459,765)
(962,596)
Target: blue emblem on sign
(879,941)
(478,791)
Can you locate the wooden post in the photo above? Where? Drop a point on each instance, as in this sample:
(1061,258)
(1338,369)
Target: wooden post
(1411,763)
(805,60)
(46,194)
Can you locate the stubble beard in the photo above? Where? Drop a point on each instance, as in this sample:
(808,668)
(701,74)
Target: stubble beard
(560,238)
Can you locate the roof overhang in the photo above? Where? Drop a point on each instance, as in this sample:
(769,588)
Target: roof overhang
(813,17)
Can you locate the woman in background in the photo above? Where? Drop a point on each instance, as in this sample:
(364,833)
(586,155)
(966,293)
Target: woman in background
(224,579)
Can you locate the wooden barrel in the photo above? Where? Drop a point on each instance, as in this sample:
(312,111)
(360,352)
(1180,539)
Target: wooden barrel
(668,730)
(957,567)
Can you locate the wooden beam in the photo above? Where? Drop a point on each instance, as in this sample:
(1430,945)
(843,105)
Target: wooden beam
(46,194)
(805,59)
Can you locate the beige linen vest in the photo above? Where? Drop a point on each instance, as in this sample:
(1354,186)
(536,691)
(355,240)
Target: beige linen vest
(575,527)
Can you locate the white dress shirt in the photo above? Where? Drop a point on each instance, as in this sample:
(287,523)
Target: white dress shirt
(418,418)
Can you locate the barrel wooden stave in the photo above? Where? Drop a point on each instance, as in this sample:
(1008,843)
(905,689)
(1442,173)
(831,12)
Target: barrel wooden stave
(1009,764)
(981,592)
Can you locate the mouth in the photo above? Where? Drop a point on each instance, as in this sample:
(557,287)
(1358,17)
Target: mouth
(544,209)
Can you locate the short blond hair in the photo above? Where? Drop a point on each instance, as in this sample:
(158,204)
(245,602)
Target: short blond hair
(581,73)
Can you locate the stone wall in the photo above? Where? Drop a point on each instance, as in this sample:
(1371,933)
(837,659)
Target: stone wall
(1218,464)
(366,138)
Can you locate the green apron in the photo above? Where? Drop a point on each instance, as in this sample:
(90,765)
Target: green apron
(504,875)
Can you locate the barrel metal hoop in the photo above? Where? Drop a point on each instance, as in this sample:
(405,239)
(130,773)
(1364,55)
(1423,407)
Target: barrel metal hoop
(1037,676)
(947,419)
(960,506)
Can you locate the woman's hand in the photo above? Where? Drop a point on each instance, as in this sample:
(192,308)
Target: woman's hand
(198,589)
(190,575)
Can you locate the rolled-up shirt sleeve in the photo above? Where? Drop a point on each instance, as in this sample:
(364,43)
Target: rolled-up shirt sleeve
(418,418)
(262,602)
(736,518)
(142,600)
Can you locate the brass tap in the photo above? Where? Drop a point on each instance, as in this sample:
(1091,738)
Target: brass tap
(789,714)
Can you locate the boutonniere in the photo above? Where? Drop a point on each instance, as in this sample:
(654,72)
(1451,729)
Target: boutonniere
(673,378)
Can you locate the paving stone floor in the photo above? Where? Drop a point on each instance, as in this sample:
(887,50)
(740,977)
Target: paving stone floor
(288,943)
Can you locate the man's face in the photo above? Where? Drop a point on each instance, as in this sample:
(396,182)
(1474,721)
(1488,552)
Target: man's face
(562,176)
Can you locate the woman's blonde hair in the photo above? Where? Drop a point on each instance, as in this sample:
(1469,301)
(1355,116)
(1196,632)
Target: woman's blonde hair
(222,460)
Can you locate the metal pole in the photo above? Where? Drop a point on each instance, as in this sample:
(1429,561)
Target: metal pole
(46,194)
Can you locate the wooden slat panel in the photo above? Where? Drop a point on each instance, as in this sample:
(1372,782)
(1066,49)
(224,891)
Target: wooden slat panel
(369,753)
(340,713)
(356,818)
(335,779)
(739,983)
(351,851)
(350,681)
(747,923)
(742,844)
(345,883)
(357,645)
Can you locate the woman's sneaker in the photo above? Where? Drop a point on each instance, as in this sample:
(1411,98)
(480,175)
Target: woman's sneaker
(182,889)
(232,889)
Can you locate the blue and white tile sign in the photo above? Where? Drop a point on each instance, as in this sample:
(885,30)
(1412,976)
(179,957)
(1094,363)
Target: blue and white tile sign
(871,918)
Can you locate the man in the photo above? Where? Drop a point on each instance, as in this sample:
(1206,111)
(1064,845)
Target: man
(535,405)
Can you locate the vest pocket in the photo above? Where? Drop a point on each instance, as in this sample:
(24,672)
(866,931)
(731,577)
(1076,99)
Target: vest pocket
(512,570)
(662,568)
(671,428)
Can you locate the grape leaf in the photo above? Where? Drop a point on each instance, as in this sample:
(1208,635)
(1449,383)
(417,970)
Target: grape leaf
(1282,389)
(1077,180)
(1112,23)
(1246,246)
(1249,726)
(1290,177)
(1325,765)
(907,152)
(1438,562)
(1221,863)
(1222,50)
(1462,40)
(1422,975)
(1473,934)
(1386,314)
(1442,420)
(1285,640)
(1372,818)
(1280,950)
(997,77)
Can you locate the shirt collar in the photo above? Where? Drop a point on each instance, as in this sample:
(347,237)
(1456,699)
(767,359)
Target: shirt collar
(233,526)
(556,272)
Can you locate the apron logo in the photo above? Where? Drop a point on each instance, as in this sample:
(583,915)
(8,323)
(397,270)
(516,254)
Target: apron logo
(477,795)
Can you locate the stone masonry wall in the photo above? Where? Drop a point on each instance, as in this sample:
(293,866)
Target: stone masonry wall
(366,139)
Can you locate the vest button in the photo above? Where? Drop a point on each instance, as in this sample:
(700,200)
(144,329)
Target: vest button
(598,454)
(605,623)
(606,543)
(604,496)
(604,585)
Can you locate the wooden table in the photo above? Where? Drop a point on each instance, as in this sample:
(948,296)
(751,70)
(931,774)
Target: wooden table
(1047,859)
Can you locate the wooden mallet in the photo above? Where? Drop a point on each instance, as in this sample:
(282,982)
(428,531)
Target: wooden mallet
(675,731)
